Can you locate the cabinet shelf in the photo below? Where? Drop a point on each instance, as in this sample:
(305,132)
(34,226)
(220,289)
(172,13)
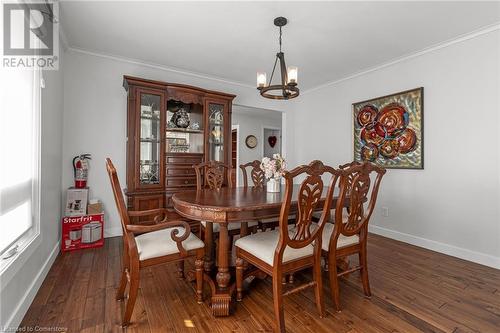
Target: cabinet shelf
(155,118)
(185,130)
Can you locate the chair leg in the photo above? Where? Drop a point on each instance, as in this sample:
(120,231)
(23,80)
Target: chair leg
(320,302)
(180,269)
(198,263)
(132,294)
(120,293)
(278,303)
(334,281)
(363,262)
(262,226)
(240,265)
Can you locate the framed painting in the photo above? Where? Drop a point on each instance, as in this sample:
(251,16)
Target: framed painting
(388,130)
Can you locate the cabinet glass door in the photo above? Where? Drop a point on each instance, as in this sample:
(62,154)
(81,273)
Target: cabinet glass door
(150,139)
(216,132)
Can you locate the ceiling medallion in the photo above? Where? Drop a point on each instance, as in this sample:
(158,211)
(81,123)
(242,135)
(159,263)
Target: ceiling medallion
(288,88)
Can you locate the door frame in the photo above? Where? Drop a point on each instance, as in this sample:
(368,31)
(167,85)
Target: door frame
(237,166)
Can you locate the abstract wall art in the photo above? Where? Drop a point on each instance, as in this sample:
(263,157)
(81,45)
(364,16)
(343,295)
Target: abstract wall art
(388,130)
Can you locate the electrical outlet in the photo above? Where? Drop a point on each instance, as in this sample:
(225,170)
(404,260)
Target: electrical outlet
(385,211)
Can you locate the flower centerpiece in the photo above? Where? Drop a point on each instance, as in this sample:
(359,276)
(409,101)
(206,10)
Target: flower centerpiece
(273,169)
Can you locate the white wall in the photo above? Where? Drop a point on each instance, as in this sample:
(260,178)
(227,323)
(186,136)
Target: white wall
(95,116)
(32,265)
(251,121)
(452,205)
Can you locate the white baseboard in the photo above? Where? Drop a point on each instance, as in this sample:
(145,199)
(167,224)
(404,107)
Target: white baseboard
(29,295)
(451,250)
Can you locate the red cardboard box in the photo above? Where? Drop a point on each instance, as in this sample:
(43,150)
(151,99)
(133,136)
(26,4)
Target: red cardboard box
(82,232)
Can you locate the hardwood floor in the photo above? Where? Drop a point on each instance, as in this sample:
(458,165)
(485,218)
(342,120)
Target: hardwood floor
(414,290)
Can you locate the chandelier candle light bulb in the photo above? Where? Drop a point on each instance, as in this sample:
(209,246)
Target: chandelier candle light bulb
(261,79)
(292,74)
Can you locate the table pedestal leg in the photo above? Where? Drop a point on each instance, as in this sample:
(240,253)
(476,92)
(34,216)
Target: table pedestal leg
(209,247)
(221,299)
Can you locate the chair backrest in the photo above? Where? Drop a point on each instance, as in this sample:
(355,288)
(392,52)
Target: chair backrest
(212,175)
(350,164)
(308,198)
(118,194)
(351,175)
(359,184)
(256,174)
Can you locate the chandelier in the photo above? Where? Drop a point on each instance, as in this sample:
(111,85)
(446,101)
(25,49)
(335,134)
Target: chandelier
(287,89)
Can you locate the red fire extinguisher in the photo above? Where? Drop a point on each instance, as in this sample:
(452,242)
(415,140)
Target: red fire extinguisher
(81,169)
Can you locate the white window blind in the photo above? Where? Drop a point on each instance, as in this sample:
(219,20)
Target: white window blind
(19,157)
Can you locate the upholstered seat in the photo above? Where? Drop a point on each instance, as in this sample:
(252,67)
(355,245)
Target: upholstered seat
(160,243)
(230,226)
(343,241)
(263,244)
(331,218)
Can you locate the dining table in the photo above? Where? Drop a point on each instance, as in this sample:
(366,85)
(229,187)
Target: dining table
(230,205)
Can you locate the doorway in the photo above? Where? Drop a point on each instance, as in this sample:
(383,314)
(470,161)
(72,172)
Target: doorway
(271,141)
(250,124)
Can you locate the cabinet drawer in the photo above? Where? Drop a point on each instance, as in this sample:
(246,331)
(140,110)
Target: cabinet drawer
(181,181)
(186,160)
(185,171)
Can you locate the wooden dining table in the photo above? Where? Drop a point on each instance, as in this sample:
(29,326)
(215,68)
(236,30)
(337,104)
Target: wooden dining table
(224,206)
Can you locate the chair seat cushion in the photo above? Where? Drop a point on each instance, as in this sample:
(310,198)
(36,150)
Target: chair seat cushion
(160,243)
(263,244)
(317,214)
(343,241)
(230,226)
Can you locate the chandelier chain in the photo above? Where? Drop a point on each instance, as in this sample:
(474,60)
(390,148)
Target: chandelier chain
(280,39)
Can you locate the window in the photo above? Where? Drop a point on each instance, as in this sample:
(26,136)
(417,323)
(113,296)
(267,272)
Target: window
(19,160)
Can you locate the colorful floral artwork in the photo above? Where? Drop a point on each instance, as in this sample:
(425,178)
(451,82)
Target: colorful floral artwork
(388,130)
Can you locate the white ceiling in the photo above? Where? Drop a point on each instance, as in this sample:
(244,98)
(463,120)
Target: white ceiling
(232,40)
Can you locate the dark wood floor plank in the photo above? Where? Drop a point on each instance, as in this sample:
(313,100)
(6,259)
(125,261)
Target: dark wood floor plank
(414,290)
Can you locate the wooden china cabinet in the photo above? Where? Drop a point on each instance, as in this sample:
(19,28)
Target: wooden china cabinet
(170,127)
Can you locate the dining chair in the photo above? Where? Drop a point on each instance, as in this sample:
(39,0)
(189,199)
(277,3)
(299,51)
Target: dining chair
(258,178)
(214,175)
(151,243)
(290,248)
(359,184)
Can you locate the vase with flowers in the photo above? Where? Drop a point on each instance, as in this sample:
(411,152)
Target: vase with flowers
(273,169)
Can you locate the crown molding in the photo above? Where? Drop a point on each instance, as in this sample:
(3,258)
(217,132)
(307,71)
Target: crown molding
(158,66)
(450,42)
